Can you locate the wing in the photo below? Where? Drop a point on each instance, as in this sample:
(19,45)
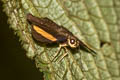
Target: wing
(42,35)
(58,32)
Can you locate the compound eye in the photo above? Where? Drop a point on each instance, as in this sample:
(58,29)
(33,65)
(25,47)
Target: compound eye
(72,41)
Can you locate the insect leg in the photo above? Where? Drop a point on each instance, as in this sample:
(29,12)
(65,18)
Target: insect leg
(56,54)
(63,45)
(65,54)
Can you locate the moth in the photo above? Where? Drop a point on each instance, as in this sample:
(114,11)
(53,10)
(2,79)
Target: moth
(46,31)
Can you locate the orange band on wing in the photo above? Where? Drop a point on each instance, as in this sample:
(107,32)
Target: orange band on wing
(44,33)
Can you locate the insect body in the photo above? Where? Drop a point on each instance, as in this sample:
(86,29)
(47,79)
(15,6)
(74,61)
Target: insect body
(46,31)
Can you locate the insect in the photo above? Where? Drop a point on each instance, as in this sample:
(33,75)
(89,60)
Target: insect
(46,31)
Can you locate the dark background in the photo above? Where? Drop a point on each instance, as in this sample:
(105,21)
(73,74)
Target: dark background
(14,65)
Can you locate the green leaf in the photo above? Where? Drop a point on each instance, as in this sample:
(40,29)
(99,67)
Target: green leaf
(95,22)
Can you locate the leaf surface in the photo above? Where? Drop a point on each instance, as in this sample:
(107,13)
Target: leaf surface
(95,22)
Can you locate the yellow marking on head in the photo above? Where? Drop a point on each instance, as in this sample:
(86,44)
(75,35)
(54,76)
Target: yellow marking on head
(44,33)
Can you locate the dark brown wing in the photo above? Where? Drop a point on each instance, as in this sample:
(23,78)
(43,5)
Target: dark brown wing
(59,32)
(39,37)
